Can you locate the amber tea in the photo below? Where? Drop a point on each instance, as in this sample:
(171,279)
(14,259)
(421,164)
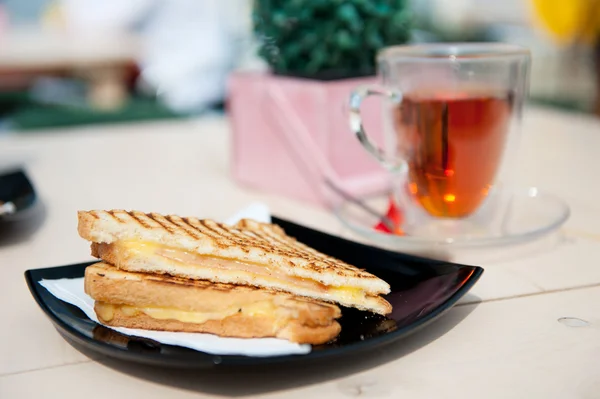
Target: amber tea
(452,130)
(453,144)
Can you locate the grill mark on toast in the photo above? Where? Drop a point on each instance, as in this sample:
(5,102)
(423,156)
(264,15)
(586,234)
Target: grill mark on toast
(279,240)
(139,219)
(206,230)
(255,239)
(164,223)
(310,253)
(195,223)
(232,235)
(185,227)
(222,231)
(246,240)
(282,242)
(255,236)
(222,236)
(264,237)
(248,243)
(117,215)
(248,235)
(285,247)
(191,222)
(275,242)
(294,245)
(298,254)
(215,232)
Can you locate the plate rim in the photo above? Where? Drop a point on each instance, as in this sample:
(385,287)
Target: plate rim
(205,360)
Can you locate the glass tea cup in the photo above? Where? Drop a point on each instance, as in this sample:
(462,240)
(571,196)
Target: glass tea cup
(452,115)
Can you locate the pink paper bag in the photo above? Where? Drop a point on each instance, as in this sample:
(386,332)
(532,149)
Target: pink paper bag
(291,137)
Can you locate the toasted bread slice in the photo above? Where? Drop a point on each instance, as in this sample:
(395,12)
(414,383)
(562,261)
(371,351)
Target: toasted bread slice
(236,326)
(155,302)
(150,262)
(249,253)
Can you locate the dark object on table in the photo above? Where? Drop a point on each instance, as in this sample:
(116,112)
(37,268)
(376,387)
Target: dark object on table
(21,212)
(17,196)
(422,290)
(327,40)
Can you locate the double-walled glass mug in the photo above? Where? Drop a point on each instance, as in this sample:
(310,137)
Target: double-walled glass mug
(452,116)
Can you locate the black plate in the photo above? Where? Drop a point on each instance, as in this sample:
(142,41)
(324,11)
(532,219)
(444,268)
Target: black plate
(422,290)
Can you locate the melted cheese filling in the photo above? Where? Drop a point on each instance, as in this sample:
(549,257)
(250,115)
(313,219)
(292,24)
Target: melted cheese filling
(106,311)
(348,293)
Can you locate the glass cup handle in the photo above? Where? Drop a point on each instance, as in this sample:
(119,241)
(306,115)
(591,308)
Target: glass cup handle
(356,98)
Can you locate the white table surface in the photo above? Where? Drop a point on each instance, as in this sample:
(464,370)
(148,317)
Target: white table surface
(503,340)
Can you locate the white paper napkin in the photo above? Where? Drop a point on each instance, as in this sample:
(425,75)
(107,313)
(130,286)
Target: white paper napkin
(71,291)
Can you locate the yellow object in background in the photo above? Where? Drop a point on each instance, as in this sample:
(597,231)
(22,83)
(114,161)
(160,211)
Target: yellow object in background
(569,21)
(52,16)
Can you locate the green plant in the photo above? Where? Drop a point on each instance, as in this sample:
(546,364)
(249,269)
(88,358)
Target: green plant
(328,38)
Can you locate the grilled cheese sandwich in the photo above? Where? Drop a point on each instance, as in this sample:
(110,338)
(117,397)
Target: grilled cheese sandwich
(250,253)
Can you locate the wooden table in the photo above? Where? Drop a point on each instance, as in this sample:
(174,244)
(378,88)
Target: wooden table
(504,340)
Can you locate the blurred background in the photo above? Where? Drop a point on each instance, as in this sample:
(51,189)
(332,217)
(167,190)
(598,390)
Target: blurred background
(77,62)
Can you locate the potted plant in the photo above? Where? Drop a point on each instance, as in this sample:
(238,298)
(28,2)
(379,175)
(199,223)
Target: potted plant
(290,131)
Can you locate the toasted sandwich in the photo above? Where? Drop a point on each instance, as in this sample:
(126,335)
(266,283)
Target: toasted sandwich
(250,253)
(159,302)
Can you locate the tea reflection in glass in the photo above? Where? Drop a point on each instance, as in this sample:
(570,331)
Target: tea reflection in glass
(453,145)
